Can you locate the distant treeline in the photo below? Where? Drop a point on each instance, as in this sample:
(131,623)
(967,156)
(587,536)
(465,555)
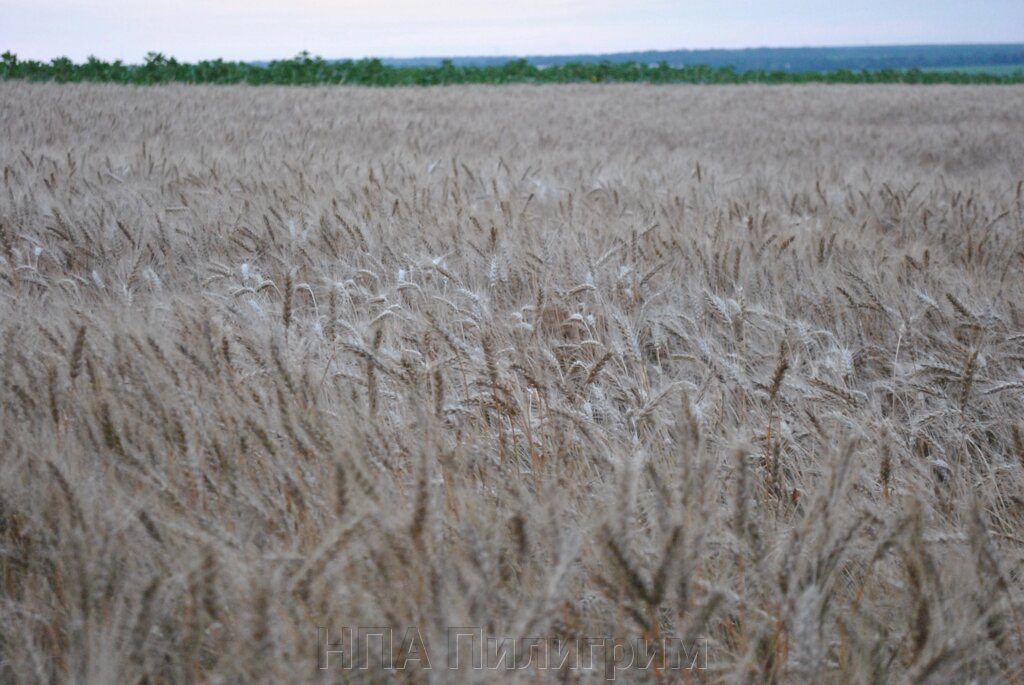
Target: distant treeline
(855,58)
(308,70)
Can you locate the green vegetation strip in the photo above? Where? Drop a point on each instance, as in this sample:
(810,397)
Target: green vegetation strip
(308,70)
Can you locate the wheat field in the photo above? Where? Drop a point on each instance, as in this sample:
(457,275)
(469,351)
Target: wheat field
(739,366)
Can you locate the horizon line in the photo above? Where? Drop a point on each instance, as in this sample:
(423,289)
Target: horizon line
(515,56)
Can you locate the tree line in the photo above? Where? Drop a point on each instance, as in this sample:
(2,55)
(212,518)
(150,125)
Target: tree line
(305,69)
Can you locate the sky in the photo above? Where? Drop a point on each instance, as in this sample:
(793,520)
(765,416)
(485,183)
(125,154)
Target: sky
(268,29)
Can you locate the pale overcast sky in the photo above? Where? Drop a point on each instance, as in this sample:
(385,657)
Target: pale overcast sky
(267,29)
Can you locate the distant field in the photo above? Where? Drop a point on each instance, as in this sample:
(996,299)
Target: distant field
(997,69)
(665,384)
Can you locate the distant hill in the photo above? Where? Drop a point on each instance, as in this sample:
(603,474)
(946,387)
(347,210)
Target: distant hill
(778,59)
